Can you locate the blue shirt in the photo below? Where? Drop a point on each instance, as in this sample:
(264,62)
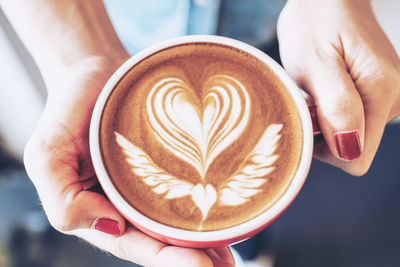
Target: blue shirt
(141,23)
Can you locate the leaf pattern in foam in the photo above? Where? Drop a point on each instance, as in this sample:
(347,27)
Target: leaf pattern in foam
(164,183)
(160,181)
(246,181)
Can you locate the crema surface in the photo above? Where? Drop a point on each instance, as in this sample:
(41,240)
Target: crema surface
(201,136)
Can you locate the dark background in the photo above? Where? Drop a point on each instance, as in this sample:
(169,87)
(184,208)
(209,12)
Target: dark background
(341,220)
(337,220)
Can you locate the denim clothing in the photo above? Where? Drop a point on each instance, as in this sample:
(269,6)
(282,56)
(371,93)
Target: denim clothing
(140,24)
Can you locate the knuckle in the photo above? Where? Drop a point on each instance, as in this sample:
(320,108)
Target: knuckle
(358,169)
(380,91)
(62,215)
(59,224)
(61,221)
(342,105)
(379,83)
(327,57)
(349,105)
(389,89)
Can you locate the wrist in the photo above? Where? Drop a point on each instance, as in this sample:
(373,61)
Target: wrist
(90,72)
(82,33)
(59,68)
(61,35)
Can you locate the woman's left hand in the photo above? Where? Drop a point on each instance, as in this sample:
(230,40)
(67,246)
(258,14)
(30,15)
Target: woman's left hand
(337,52)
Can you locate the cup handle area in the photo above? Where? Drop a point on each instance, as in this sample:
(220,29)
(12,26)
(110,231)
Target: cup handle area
(314,120)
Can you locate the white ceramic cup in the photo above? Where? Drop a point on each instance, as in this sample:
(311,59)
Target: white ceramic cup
(215,238)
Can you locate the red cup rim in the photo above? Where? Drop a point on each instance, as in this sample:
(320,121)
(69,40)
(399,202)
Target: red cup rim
(243,230)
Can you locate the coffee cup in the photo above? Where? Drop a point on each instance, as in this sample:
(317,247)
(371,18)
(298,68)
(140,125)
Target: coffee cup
(201,141)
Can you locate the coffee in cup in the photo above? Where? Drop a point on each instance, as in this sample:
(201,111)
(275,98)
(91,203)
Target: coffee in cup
(200,136)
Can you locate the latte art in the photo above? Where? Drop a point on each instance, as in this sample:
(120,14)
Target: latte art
(237,189)
(196,130)
(163,182)
(200,137)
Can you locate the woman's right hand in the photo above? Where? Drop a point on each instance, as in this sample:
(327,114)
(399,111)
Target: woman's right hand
(76,49)
(58,162)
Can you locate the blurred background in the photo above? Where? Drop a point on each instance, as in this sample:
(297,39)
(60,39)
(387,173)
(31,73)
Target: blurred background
(337,220)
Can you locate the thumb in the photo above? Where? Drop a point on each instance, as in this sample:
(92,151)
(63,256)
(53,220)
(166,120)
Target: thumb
(68,206)
(91,210)
(339,107)
(74,208)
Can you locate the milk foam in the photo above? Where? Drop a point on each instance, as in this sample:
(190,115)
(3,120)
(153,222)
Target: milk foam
(198,131)
(200,137)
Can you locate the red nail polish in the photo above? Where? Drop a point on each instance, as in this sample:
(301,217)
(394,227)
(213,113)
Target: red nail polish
(348,144)
(107,225)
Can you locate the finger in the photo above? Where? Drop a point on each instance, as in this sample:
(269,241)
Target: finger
(377,114)
(179,256)
(137,247)
(87,176)
(86,170)
(226,254)
(339,106)
(89,183)
(76,208)
(54,170)
(220,256)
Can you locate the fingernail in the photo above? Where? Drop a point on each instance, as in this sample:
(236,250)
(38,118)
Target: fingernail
(107,225)
(348,144)
(314,120)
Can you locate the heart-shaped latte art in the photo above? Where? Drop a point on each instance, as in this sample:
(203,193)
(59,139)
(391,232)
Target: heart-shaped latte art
(198,130)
